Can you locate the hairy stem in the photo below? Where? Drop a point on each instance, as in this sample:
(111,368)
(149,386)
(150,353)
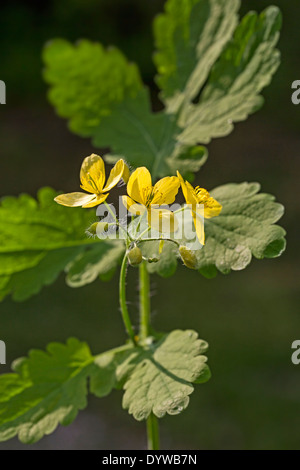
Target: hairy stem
(153,432)
(145,310)
(127,236)
(123,305)
(144,301)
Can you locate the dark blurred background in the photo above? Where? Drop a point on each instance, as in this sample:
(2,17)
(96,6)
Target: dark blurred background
(250,318)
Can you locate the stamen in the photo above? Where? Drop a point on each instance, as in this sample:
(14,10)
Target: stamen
(148,197)
(93,184)
(202,194)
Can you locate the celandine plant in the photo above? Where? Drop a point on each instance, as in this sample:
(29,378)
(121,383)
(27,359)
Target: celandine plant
(211,70)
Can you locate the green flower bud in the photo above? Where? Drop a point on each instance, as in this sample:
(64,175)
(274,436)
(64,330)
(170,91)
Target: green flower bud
(188,257)
(97,227)
(135,256)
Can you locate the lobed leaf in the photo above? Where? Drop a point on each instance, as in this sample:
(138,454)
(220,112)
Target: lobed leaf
(103,97)
(38,240)
(232,91)
(245,228)
(47,389)
(208,81)
(99,260)
(80,89)
(189,38)
(160,379)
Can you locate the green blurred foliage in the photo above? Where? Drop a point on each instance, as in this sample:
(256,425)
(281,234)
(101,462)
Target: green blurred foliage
(249,319)
(26,25)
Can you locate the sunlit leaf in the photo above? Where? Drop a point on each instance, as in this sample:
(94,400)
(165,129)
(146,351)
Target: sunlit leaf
(39,239)
(47,389)
(189,38)
(233,89)
(245,228)
(162,377)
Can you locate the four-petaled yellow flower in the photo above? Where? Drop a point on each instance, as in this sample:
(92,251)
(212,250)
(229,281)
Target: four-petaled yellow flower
(142,197)
(202,205)
(92,177)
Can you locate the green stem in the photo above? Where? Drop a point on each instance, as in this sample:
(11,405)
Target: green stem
(157,239)
(153,432)
(145,310)
(144,301)
(123,305)
(117,222)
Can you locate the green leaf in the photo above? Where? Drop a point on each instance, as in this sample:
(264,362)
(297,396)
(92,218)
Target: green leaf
(87,81)
(38,239)
(106,371)
(47,389)
(140,136)
(205,375)
(187,160)
(189,38)
(100,259)
(233,89)
(244,228)
(103,97)
(161,378)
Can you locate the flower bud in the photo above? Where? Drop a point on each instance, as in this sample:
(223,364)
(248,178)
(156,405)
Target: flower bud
(188,257)
(97,227)
(135,256)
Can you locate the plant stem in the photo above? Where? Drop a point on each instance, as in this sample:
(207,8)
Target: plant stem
(116,221)
(144,301)
(145,310)
(157,239)
(153,432)
(123,305)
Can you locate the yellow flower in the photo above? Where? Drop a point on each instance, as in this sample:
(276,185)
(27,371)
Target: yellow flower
(92,177)
(142,197)
(202,205)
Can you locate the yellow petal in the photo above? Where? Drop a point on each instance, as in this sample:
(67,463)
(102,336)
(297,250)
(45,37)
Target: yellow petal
(99,199)
(132,206)
(139,186)
(189,192)
(165,190)
(199,227)
(212,208)
(92,174)
(74,199)
(162,220)
(119,171)
(126,173)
